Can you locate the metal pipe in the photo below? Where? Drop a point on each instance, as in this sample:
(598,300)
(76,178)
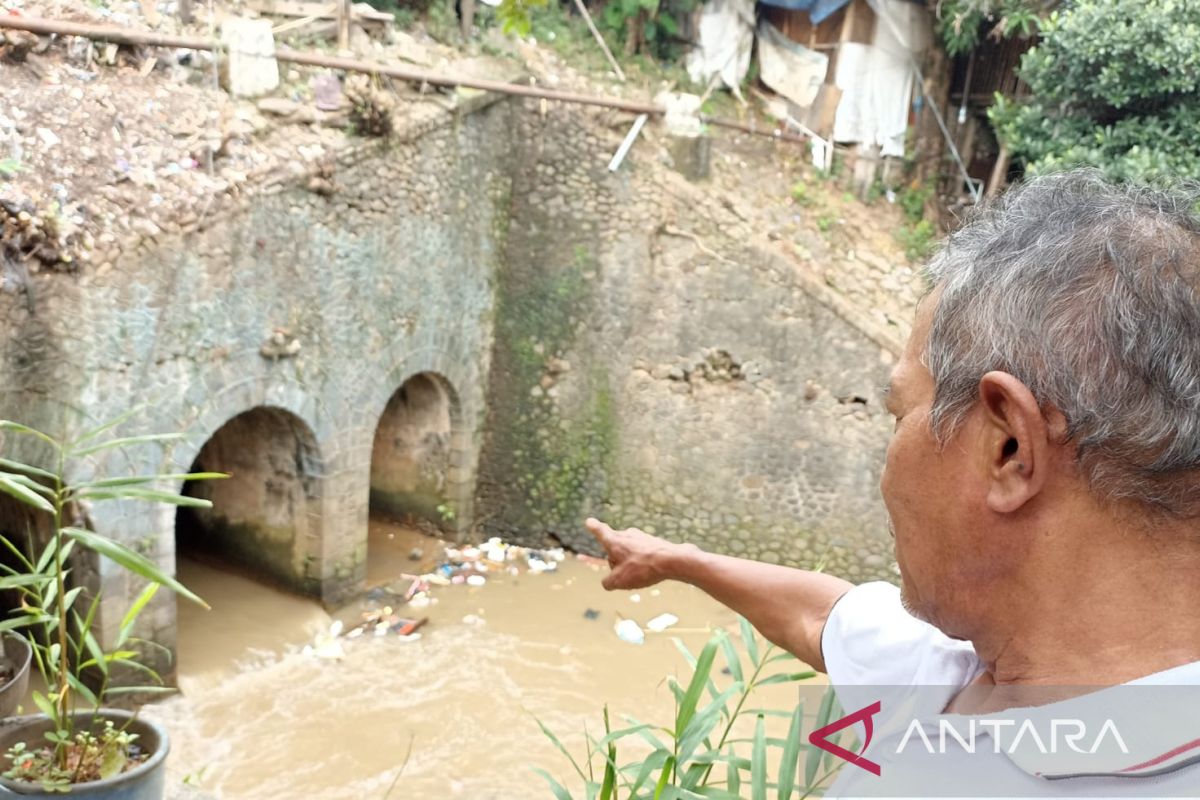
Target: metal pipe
(109,33)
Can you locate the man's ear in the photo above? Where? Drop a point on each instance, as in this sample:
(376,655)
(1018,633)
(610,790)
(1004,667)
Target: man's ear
(1015,442)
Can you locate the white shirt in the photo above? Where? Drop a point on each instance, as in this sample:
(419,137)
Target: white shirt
(1141,739)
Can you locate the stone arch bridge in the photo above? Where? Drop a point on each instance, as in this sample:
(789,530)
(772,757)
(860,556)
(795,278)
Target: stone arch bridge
(473,312)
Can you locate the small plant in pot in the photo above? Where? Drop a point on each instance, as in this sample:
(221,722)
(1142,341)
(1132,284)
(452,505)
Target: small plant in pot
(75,745)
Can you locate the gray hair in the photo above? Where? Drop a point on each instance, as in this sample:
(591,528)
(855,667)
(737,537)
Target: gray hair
(1089,293)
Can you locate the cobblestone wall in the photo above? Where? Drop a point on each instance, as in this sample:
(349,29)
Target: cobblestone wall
(317,304)
(658,365)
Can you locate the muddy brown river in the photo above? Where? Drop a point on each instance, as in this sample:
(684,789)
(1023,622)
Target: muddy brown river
(259,718)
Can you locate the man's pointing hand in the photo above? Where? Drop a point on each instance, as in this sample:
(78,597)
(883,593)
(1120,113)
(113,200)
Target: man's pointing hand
(637,559)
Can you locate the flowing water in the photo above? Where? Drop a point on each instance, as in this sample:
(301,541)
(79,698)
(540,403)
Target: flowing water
(450,714)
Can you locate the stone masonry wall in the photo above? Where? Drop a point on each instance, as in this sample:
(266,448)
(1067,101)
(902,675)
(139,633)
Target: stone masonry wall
(613,344)
(314,304)
(658,365)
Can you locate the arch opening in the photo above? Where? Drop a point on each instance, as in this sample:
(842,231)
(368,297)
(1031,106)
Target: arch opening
(411,454)
(265,517)
(412,473)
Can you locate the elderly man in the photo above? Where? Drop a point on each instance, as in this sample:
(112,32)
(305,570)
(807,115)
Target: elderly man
(1043,487)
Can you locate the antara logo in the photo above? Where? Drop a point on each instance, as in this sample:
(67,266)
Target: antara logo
(820,737)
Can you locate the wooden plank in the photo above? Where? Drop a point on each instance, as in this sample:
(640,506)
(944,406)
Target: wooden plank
(320,10)
(823,110)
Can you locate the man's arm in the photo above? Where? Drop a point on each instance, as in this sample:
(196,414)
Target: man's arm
(788,606)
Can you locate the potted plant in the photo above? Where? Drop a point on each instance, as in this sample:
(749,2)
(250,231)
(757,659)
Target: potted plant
(75,745)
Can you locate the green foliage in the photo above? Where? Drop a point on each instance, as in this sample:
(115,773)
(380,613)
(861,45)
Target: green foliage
(515,15)
(1113,86)
(652,24)
(912,200)
(803,195)
(918,240)
(48,617)
(9,167)
(96,757)
(960,23)
(698,754)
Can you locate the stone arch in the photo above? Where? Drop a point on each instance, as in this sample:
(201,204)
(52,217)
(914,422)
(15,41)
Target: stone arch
(419,451)
(266,517)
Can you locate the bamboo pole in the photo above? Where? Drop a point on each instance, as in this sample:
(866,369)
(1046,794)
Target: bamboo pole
(600,40)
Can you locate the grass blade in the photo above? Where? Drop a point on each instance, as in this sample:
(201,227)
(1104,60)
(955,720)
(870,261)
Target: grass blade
(608,786)
(749,640)
(668,768)
(687,705)
(731,657)
(559,790)
(791,754)
(554,740)
(758,762)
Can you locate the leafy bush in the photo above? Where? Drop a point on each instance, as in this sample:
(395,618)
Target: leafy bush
(1113,86)
(684,753)
(647,26)
(960,22)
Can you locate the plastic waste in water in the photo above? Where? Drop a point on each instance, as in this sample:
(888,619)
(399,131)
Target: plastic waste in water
(661,622)
(630,631)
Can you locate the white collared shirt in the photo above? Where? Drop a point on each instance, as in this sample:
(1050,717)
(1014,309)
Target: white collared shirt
(1140,739)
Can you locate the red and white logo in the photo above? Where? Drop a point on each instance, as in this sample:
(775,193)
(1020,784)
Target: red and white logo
(820,737)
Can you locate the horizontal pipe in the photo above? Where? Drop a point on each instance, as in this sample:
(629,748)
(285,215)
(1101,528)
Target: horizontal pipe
(108,33)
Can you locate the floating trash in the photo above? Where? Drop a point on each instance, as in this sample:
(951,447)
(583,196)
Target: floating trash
(661,622)
(629,631)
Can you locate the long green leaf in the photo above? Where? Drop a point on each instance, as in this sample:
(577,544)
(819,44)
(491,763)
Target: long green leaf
(20,466)
(554,739)
(758,762)
(127,441)
(14,488)
(16,427)
(687,706)
(812,758)
(731,657)
(25,621)
(131,615)
(140,690)
(654,761)
(83,690)
(134,562)
(691,659)
(608,787)
(139,666)
(89,435)
(664,776)
(787,677)
(139,493)
(44,705)
(19,579)
(559,790)
(31,484)
(749,640)
(791,754)
(22,558)
(140,480)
